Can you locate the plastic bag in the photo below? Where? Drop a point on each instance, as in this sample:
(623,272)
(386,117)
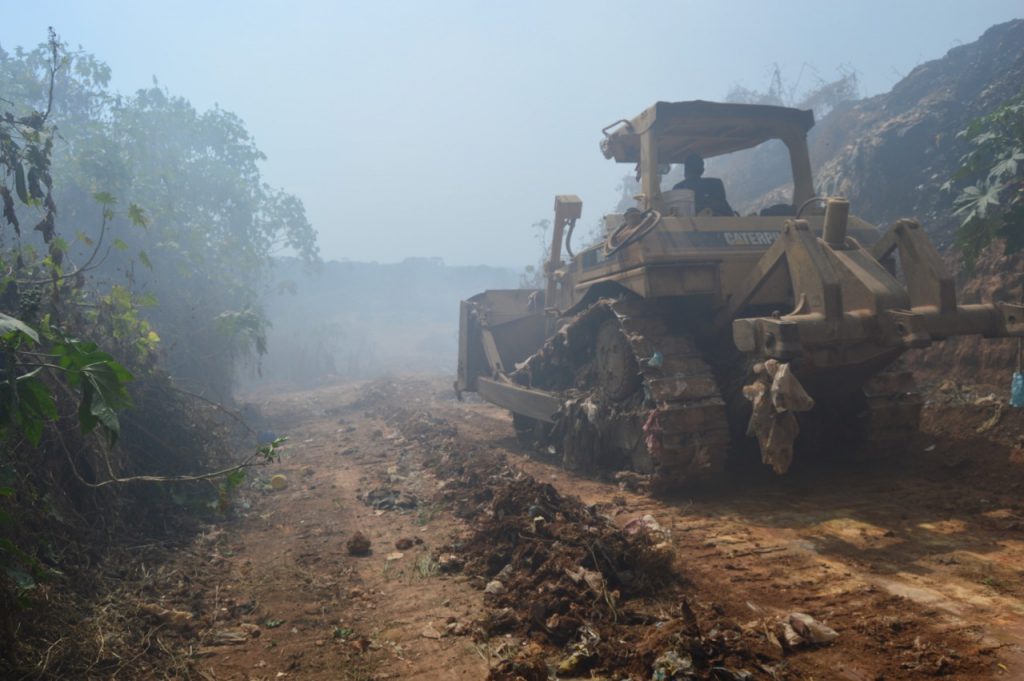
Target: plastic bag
(1017,390)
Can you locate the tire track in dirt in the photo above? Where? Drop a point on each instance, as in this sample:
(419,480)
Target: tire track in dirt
(916,565)
(879,550)
(277,594)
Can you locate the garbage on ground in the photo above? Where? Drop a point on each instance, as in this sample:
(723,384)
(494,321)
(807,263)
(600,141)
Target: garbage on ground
(389,499)
(358,544)
(449,563)
(178,619)
(455,627)
(646,525)
(800,629)
(583,653)
(993,420)
(278,482)
(494,587)
(236,635)
(632,481)
(406,543)
(430,632)
(593,579)
(577,583)
(672,666)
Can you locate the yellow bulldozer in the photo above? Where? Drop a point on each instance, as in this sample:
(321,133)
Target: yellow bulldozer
(689,331)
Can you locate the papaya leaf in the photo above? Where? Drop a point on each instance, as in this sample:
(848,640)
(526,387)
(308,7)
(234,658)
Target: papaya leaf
(9,213)
(35,397)
(9,324)
(19,184)
(137,216)
(104,198)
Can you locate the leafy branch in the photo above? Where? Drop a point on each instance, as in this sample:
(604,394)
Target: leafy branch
(990,182)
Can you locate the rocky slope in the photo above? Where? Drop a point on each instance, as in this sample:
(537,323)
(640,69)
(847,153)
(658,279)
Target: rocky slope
(890,154)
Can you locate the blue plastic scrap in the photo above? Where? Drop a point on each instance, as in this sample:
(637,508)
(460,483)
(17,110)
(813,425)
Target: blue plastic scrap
(1017,390)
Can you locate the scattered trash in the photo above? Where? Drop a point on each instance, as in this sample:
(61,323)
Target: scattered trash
(278,482)
(505,573)
(632,482)
(800,629)
(646,525)
(449,563)
(430,632)
(456,628)
(273,624)
(672,666)
(358,544)
(930,448)
(495,588)
(594,580)
(236,635)
(178,619)
(1017,390)
(499,621)
(997,415)
(389,499)
(394,555)
(583,653)
(406,543)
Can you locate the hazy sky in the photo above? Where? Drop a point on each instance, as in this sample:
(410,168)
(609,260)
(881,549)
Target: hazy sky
(445,128)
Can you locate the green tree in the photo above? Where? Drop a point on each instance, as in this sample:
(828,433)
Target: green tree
(211,223)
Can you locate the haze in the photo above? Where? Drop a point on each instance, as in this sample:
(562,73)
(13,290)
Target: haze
(445,129)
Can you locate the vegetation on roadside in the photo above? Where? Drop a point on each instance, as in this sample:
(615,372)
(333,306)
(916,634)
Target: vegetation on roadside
(124,311)
(990,183)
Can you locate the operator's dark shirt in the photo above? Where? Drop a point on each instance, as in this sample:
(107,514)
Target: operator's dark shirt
(708,192)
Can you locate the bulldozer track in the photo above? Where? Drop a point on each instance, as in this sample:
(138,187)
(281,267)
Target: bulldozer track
(652,403)
(671,423)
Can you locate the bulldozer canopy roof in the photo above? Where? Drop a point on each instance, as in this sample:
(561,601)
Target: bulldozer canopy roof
(705,128)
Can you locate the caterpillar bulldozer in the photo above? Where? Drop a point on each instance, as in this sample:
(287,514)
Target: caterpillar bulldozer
(685,334)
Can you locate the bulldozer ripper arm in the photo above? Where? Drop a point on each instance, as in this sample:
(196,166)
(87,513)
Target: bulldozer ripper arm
(850,307)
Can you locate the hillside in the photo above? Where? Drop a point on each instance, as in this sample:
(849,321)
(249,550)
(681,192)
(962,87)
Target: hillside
(891,153)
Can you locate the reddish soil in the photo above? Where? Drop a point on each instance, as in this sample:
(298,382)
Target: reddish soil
(915,562)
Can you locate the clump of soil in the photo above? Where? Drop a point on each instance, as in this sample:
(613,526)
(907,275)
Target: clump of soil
(358,544)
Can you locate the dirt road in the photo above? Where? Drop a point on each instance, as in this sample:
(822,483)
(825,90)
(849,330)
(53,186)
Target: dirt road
(915,563)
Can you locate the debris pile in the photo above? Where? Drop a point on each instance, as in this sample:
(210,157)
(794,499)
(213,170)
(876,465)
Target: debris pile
(583,596)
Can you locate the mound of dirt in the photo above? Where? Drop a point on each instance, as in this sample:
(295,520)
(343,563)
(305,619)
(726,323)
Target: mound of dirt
(588,596)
